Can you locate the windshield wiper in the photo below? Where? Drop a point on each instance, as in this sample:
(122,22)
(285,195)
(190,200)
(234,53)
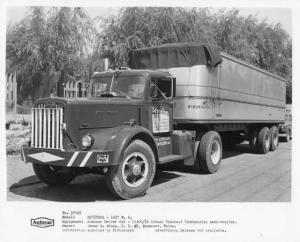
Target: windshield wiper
(97,94)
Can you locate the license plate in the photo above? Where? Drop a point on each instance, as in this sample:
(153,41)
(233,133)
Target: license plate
(102,159)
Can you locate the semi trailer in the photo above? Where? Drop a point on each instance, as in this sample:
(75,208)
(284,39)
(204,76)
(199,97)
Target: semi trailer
(176,102)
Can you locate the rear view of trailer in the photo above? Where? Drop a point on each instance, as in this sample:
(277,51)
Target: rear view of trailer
(213,87)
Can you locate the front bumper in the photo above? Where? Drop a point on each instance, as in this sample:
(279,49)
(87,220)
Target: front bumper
(67,158)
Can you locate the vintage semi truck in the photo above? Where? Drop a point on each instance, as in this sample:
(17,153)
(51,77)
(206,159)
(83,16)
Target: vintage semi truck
(177,102)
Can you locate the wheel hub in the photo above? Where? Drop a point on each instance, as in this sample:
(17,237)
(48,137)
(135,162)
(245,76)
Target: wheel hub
(267,141)
(136,170)
(215,152)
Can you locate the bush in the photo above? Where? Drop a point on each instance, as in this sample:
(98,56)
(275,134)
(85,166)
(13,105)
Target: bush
(24,109)
(15,138)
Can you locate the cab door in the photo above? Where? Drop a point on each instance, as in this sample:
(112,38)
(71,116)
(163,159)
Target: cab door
(161,95)
(161,113)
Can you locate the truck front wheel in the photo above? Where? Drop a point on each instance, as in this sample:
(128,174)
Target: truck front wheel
(263,140)
(274,138)
(209,153)
(53,175)
(135,173)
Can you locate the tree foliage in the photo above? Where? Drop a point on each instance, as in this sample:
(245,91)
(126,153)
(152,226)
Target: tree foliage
(45,45)
(265,45)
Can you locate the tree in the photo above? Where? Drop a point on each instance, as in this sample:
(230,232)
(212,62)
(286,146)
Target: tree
(48,45)
(138,27)
(25,51)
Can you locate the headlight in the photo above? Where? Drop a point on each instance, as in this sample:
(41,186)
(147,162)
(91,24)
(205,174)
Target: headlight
(87,141)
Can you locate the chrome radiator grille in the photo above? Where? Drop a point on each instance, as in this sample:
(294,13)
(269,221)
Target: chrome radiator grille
(46,129)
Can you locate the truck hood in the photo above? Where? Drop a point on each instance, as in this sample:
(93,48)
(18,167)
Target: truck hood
(96,113)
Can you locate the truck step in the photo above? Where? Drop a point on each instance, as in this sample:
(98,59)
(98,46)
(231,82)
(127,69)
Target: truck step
(169,158)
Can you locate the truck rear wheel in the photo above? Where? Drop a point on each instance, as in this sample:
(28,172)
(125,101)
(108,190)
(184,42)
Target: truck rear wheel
(135,173)
(209,153)
(274,138)
(53,175)
(263,140)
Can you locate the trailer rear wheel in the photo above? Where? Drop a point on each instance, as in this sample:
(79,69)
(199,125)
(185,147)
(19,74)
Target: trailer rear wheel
(274,138)
(263,140)
(135,173)
(53,175)
(253,139)
(288,136)
(209,153)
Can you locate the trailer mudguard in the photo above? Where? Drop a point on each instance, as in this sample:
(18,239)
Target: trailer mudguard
(118,138)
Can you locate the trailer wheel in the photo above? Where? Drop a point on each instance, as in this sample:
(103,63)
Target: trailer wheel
(274,138)
(253,139)
(288,136)
(135,173)
(263,140)
(209,153)
(53,175)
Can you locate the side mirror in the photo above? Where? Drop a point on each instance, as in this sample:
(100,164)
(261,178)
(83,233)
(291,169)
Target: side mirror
(174,86)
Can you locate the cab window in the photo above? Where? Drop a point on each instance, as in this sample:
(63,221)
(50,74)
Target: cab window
(161,88)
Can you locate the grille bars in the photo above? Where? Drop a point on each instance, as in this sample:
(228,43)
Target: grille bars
(46,128)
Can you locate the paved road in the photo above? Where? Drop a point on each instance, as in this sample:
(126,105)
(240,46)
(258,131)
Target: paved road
(243,177)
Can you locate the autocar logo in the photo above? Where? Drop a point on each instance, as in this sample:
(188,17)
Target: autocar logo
(42,222)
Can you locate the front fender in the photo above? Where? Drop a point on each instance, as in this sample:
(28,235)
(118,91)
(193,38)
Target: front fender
(118,138)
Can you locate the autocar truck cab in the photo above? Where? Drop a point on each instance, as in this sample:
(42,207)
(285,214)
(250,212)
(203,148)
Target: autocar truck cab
(63,126)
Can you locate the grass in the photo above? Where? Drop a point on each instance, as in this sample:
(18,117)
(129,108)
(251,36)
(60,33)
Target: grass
(18,127)
(15,138)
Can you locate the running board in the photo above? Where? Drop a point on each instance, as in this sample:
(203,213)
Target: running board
(169,158)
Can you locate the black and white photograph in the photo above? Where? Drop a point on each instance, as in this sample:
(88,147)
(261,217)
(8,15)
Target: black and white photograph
(172,106)
(148,104)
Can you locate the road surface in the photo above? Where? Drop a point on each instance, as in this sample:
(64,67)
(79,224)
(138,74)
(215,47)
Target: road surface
(243,177)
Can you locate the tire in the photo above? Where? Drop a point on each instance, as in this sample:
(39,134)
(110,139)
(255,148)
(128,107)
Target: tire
(288,136)
(53,175)
(209,155)
(274,138)
(263,140)
(253,140)
(135,173)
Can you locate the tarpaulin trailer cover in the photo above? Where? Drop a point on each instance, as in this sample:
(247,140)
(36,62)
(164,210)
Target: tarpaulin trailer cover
(174,55)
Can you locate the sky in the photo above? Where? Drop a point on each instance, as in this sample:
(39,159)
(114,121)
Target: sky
(272,15)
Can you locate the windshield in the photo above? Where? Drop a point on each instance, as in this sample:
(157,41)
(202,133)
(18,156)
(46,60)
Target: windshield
(129,86)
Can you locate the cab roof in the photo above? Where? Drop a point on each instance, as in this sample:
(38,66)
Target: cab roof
(131,72)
